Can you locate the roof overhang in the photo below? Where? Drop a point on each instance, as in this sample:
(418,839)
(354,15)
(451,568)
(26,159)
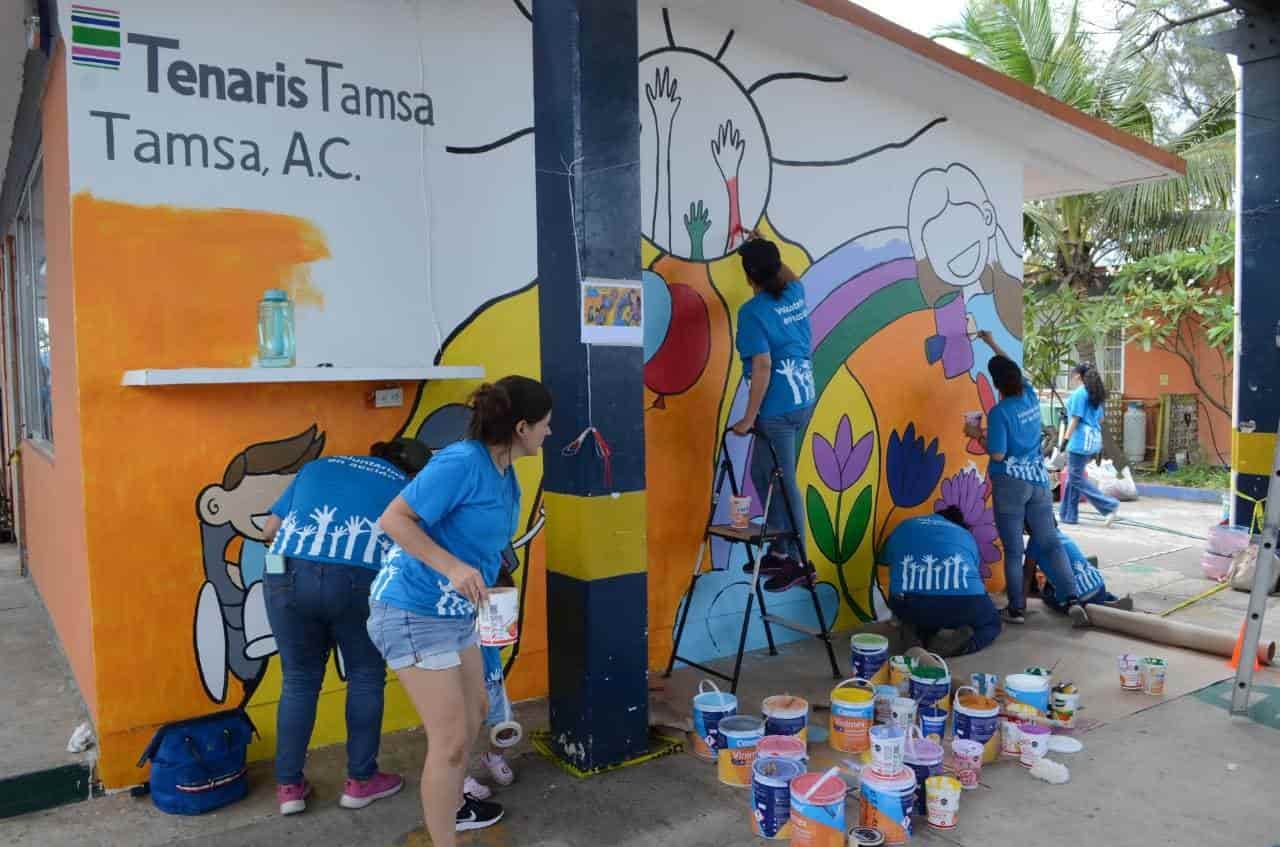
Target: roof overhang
(1066,151)
(13,53)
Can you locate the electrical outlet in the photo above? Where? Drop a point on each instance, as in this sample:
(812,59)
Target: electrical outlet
(1164,379)
(388,398)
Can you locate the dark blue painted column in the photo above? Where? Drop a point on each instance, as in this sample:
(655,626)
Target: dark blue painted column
(587,146)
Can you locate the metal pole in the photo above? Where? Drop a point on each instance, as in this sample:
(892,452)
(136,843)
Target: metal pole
(1263,581)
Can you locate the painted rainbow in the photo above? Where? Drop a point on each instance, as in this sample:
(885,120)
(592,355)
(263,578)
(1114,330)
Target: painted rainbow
(95,37)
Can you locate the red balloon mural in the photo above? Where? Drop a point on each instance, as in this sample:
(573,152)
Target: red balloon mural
(678,363)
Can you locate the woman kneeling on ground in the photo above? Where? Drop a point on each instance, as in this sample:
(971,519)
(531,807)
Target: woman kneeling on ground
(1088,579)
(450,526)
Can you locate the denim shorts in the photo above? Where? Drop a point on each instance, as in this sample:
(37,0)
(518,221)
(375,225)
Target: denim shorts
(405,638)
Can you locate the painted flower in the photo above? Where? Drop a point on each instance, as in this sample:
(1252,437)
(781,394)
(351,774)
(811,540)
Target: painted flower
(969,492)
(840,465)
(988,399)
(913,469)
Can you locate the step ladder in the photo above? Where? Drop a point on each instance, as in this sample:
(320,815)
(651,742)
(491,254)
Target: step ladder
(1264,579)
(755,539)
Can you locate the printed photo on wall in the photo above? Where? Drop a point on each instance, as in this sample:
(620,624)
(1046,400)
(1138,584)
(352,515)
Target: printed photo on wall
(612,313)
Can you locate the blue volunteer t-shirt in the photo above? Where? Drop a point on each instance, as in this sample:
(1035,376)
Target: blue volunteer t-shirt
(469,509)
(1014,429)
(780,328)
(931,555)
(329,513)
(1087,438)
(1088,578)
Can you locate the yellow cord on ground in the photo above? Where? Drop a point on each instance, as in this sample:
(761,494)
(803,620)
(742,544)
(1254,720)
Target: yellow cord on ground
(659,746)
(1196,599)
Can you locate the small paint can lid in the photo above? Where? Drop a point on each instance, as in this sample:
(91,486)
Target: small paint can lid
(782,747)
(869,642)
(865,836)
(776,772)
(831,791)
(904,780)
(741,726)
(785,706)
(932,674)
(922,751)
(1026,682)
(1035,729)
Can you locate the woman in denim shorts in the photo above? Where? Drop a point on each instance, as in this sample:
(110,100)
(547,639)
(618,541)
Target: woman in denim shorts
(450,526)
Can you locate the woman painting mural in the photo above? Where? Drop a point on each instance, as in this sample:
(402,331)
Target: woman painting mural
(775,345)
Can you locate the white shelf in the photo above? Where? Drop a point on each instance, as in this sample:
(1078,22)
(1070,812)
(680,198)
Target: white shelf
(242,376)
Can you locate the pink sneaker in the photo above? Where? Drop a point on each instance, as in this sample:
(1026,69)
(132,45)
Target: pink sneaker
(293,798)
(358,793)
(498,768)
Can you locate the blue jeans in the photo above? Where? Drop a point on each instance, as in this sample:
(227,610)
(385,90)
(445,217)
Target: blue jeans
(1019,503)
(312,607)
(930,613)
(786,434)
(1079,485)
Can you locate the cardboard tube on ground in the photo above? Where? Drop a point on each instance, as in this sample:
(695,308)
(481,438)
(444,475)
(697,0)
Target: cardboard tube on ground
(1174,633)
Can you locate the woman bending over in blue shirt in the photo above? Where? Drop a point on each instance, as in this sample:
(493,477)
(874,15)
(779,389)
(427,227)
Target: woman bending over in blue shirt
(450,526)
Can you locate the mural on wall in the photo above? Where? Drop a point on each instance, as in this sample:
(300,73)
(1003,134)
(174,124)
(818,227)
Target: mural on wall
(893,219)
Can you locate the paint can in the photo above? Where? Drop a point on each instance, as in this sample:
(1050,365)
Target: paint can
(924,758)
(886,803)
(966,762)
(853,711)
(1154,672)
(931,686)
(1016,715)
(1130,667)
(710,706)
(903,712)
(789,747)
(1033,743)
(1029,689)
(986,684)
(933,722)
(785,714)
(817,809)
(943,802)
(739,736)
(900,674)
(885,695)
(977,718)
(869,654)
(740,512)
(887,746)
(865,836)
(498,617)
(1064,703)
(771,796)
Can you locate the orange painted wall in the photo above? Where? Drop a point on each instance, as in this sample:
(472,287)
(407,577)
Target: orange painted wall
(1142,372)
(53,497)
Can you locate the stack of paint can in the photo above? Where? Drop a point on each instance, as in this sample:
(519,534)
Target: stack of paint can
(710,706)
(887,786)
(817,809)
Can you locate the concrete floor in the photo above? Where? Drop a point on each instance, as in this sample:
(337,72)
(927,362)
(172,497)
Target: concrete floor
(1175,770)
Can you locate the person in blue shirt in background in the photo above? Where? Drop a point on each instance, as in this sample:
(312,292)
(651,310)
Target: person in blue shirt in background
(1088,579)
(325,551)
(1085,408)
(1019,483)
(774,341)
(450,527)
(935,586)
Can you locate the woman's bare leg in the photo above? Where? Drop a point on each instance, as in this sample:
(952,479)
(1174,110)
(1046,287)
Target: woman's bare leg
(441,700)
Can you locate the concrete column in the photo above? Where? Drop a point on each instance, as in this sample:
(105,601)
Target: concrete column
(587,148)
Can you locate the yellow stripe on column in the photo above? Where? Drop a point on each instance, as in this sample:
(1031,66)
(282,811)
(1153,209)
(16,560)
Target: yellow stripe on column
(596,537)
(1253,452)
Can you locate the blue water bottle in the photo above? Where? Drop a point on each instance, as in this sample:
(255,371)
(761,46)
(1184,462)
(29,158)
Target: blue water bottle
(275,330)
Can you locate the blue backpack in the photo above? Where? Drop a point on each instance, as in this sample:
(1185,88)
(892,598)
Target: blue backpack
(198,765)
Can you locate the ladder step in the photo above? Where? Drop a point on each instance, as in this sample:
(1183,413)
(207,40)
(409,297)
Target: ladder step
(798,627)
(750,535)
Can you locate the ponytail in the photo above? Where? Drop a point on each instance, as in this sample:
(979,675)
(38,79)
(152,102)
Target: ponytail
(762,263)
(407,454)
(1093,384)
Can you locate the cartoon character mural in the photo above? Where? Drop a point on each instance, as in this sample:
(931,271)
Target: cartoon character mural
(969,271)
(232,635)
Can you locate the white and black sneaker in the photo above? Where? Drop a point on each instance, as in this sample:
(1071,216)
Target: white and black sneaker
(1079,617)
(477,814)
(1011,615)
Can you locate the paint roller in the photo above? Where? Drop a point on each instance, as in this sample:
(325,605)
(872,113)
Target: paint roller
(1173,633)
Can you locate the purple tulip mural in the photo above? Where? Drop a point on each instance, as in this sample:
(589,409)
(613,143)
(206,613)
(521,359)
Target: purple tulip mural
(968,491)
(840,464)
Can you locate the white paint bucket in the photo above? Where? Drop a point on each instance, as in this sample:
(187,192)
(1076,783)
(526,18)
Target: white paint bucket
(1030,689)
(1154,671)
(739,512)
(1033,743)
(498,617)
(943,801)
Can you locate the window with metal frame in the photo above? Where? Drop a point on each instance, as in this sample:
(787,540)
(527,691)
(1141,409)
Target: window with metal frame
(30,275)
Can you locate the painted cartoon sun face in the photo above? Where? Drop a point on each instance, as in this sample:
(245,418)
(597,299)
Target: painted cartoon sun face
(707,169)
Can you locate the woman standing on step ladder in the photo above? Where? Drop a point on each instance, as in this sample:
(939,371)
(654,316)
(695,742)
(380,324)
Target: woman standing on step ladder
(774,343)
